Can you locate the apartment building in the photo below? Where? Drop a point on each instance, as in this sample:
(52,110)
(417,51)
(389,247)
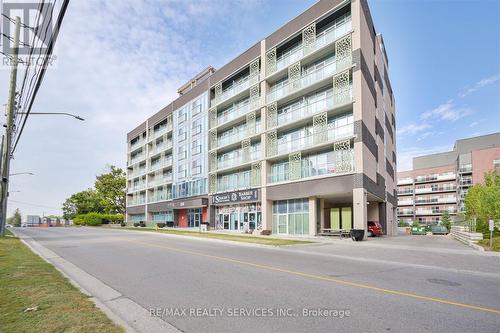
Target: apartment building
(295,135)
(439,182)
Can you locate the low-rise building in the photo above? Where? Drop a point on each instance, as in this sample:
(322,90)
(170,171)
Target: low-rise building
(439,182)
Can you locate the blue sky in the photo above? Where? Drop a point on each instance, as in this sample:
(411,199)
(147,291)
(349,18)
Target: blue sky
(120,61)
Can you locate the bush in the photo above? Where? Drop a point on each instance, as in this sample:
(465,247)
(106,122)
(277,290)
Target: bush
(136,224)
(265,232)
(142,224)
(78,220)
(112,218)
(123,224)
(161,225)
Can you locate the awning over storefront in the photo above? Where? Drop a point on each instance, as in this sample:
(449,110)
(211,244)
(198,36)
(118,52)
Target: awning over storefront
(235,197)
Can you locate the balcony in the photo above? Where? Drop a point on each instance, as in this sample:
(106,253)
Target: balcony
(136,173)
(237,134)
(137,187)
(466,182)
(306,80)
(160,131)
(160,196)
(435,189)
(226,163)
(136,158)
(160,181)
(405,192)
(423,212)
(303,111)
(451,176)
(405,212)
(231,113)
(405,181)
(322,40)
(287,144)
(136,144)
(136,201)
(285,173)
(405,202)
(447,200)
(161,147)
(235,89)
(162,163)
(465,168)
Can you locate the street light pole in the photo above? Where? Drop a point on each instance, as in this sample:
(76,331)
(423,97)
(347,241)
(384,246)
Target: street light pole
(54,113)
(7,142)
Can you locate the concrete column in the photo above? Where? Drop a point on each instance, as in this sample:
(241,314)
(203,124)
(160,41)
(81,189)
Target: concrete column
(267,211)
(360,213)
(322,213)
(313,213)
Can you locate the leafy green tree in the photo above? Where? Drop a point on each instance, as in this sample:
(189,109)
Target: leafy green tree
(111,189)
(82,203)
(15,219)
(446,220)
(483,201)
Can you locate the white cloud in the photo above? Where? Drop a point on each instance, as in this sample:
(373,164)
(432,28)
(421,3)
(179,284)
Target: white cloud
(479,85)
(412,129)
(447,111)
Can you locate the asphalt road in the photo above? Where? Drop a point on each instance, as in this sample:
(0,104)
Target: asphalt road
(401,284)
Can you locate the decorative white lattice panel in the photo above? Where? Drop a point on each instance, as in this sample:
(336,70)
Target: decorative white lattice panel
(255,96)
(251,123)
(343,52)
(272,143)
(272,115)
(343,156)
(213,139)
(294,75)
(254,71)
(309,38)
(320,130)
(271,61)
(341,88)
(295,166)
(255,174)
(213,117)
(245,150)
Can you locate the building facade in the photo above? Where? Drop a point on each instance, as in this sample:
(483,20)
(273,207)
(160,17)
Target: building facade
(295,135)
(439,182)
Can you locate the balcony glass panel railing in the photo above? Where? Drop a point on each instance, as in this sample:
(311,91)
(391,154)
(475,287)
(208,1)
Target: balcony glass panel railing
(405,202)
(305,80)
(289,143)
(136,144)
(322,39)
(136,201)
(405,212)
(306,110)
(137,173)
(405,181)
(136,158)
(160,131)
(137,186)
(161,147)
(232,113)
(403,192)
(307,170)
(163,162)
(236,135)
(234,89)
(236,161)
(160,196)
(160,180)
(240,180)
(465,168)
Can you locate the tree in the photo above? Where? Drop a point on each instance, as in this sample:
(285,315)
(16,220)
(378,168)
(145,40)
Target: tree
(446,220)
(111,189)
(82,203)
(483,201)
(15,219)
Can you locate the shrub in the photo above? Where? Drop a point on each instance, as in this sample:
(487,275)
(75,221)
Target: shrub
(123,224)
(91,219)
(161,225)
(78,220)
(112,218)
(142,224)
(265,232)
(136,224)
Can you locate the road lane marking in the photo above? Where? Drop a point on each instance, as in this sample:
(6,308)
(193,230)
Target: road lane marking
(323,278)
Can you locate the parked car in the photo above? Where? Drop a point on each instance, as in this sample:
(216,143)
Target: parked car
(439,230)
(9,226)
(418,230)
(374,229)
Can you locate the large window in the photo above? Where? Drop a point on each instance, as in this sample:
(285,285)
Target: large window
(166,216)
(291,217)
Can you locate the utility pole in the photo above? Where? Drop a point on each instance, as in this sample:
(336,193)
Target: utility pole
(7,142)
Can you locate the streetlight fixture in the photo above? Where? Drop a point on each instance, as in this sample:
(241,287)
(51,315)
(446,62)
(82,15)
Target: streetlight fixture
(54,113)
(21,173)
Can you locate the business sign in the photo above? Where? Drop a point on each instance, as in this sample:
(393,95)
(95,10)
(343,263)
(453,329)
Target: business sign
(234,197)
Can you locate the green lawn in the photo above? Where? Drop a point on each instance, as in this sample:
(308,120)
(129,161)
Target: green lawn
(486,244)
(27,281)
(236,238)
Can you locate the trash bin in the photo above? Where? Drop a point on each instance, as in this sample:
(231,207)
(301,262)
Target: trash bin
(357,234)
(203,226)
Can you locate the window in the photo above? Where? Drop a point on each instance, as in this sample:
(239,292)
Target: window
(182,116)
(496,163)
(196,127)
(195,147)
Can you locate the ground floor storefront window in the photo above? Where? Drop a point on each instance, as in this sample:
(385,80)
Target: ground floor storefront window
(239,217)
(164,217)
(291,217)
(136,218)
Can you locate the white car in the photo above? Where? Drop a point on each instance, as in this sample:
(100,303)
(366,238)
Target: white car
(9,226)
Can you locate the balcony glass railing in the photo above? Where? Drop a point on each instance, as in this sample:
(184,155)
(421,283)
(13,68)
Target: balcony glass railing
(305,110)
(137,187)
(405,212)
(289,143)
(160,196)
(136,201)
(404,192)
(305,80)
(236,135)
(465,168)
(405,202)
(137,173)
(161,147)
(235,89)
(136,144)
(405,181)
(236,161)
(160,181)
(160,131)
(232,113)
(308,170)
(136,158)
(323,39)
(164,162)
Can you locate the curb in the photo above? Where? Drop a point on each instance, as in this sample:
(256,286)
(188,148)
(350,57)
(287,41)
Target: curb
(120,309)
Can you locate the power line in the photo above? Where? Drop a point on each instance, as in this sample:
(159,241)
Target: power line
(32,204)
(50,49)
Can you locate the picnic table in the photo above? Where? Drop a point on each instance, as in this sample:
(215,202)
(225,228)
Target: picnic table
(335,232)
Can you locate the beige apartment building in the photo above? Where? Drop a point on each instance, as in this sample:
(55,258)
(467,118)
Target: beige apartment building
(439,182)
(295,135)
